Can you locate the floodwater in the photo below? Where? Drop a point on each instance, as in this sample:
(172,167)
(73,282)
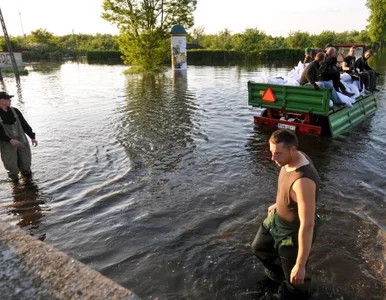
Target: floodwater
(160,183)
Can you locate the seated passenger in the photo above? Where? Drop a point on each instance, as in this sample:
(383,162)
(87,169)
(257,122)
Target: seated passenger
(329,71)
(308,56)
(311,76)
(338,66)
(349,67)
(361,64)
(328,46)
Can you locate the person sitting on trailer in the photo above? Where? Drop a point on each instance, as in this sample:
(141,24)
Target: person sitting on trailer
(308,56)
(362,65)
(329,71)
(328,45)
(337,65)
(349,68)
(311,76)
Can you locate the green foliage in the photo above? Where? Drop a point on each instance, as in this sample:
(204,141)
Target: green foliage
(275,55)
(377,20)
(320,41)
(252,39)
(224,57)
(211,41)
(225,37)
(215,57)
(42,36)
(107,57)
(17,44)
(87,42)
(147,51)
(364,37)
(196,35)
(270,42)
(298,40)
(145,25)
(42,45)
(144,40)
(47,55)
(22,72)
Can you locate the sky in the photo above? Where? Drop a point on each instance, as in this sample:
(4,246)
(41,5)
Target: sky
(274,17)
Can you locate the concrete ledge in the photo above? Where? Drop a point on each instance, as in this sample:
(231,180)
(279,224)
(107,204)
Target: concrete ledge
(31,269)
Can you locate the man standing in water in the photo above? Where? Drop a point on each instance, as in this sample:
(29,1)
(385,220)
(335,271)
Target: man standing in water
(14,146)
(283,241)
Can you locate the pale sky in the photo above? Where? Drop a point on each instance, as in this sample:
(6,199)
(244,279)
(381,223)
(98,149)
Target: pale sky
(274,17)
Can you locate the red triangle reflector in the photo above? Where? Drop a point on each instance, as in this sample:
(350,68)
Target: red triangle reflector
(268,96)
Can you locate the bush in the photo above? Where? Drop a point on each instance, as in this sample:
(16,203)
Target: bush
(104,57)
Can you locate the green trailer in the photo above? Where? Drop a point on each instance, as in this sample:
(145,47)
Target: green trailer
(306,110)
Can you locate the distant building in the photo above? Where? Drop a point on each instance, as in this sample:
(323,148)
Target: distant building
(193,46)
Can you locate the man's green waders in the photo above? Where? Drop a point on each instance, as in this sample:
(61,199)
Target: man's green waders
(15,159)
(276,245)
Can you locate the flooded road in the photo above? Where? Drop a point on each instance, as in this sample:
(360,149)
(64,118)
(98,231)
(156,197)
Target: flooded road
(160,183)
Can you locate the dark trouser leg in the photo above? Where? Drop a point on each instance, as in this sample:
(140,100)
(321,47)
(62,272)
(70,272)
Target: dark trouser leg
(365,78)
(24,159)
(342,87)
(262,247)
(9,158)
(354,77)
(335,77)
(288,255)
(373,79)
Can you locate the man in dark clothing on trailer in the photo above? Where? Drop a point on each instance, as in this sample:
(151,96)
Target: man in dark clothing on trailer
(284,239)
(307,56)
(311,75)
(329,71)
(349,68)
(14,146)
(362,65)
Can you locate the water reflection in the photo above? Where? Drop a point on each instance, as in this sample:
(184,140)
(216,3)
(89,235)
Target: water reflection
(43,67)
(180,83)
(19,93)
(3,87)
(156,121)
(28,205)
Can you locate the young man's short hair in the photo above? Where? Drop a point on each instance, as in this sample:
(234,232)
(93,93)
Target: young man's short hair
(285,136)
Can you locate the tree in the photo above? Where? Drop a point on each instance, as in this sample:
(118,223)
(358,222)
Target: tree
(17,44)
(270,42)
(377,20)
(321,40)
(211,41)
(299,40)
(42,36)
(197,34)
(364,37)
(145,25)
(252,39)
(225,36)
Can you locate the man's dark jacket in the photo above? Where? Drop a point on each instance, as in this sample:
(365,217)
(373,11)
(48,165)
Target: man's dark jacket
(311,74)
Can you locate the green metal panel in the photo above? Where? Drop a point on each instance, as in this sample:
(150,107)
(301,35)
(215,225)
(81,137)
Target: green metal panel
(291,98)
(342,120)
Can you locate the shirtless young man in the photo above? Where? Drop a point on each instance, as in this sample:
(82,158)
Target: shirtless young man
(283,241)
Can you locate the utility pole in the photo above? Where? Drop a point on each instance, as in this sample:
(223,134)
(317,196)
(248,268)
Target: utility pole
(21,23)
(9,46)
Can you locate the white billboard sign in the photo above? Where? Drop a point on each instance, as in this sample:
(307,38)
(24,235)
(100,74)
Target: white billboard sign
(6,62)
(179,52)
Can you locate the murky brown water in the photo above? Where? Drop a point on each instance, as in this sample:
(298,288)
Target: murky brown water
(160,183)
